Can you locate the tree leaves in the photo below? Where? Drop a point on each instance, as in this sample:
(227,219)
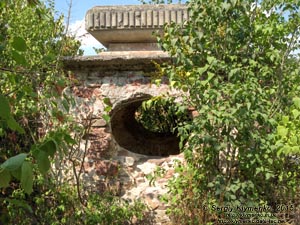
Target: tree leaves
(19,44)
(27,177)
(4,178)
(4,108)
(282,131)
(29,60)
(14,162)
(161,114)
(296,101)
(241,76)
(33,2)
(12,124)
(19,168)
(6,115)
(49,147)
(288,132)
(19,58)
(43,162)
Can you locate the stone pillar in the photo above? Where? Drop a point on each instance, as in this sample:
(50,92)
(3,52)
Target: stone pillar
(123,74)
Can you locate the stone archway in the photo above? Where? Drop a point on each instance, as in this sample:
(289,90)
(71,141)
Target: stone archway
(131,135)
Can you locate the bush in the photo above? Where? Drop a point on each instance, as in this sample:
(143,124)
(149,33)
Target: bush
(57,207)
(36,126)
(162,115)
(237,65)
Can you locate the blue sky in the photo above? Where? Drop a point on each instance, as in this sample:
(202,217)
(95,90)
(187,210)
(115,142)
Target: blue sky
(79,9)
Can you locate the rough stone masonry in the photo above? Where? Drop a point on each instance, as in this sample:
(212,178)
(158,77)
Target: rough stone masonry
(122,154)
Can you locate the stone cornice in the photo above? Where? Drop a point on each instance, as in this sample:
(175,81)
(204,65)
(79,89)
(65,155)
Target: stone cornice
(134,16)
(132,23)
(117,61)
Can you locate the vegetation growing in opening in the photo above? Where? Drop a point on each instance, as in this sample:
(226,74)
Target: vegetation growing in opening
(162,115)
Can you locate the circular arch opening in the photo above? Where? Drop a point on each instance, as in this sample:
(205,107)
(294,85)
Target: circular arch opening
(130,134)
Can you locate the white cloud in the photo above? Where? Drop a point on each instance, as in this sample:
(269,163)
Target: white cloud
(87,41)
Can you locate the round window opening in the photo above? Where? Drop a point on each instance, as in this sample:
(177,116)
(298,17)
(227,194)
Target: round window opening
(148,125)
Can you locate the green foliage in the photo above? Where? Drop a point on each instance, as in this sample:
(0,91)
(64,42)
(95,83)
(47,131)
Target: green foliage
(14,163)
(161,114)
(27,177)
(57,208)
(239,76)
(99,50)
(38,129)
(7,117)
(107,109)
(30,77)
(157,173)
(108,209)
(288,131)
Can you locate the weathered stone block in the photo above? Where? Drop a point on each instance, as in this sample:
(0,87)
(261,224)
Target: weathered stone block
(132,24)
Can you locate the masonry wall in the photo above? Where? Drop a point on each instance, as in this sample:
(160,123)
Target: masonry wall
(122,156)
(109,166)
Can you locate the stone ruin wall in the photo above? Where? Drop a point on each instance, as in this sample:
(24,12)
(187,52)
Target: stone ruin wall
(109,166)
(121,155)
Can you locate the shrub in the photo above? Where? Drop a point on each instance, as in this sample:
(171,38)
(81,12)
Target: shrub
(237,65)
